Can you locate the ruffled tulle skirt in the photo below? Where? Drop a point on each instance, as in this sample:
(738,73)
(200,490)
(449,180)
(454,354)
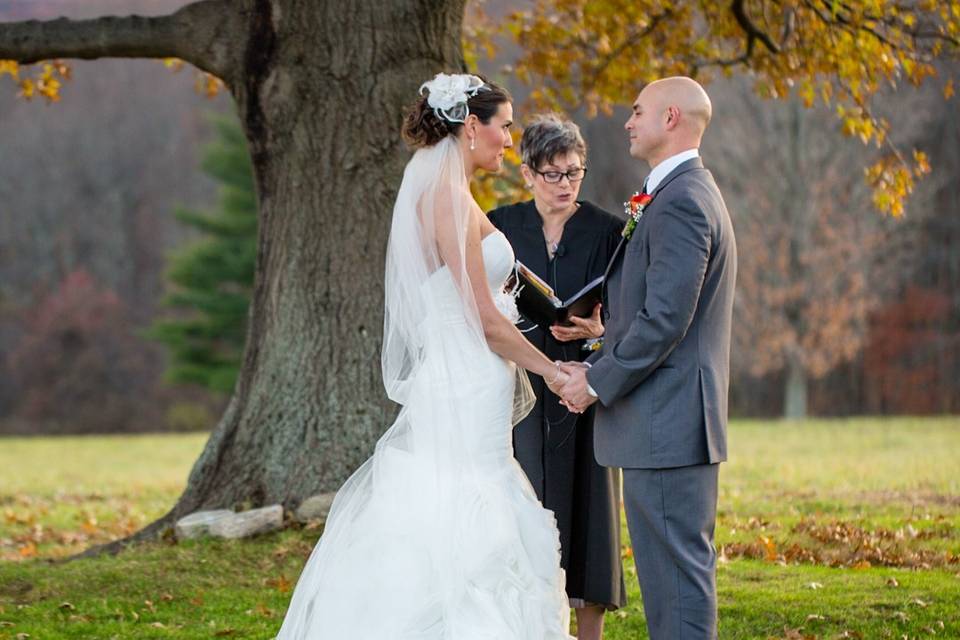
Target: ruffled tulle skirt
(439,535)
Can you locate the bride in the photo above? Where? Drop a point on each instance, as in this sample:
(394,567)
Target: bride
(439,536)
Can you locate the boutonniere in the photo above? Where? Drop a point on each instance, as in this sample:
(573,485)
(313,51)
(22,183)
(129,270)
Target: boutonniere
(634,209)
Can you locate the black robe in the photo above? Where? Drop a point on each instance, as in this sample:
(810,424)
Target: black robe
(553,446)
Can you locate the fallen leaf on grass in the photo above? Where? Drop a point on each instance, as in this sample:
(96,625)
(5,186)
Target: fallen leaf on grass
(22,636)
(892,582)
(89,524)
(850,634)
(158,625)
(814,586)
(770,547)
(920,603)
(795,634)
(901,616)
(281,584)
(224,632)
(5,623)
(13,517)
(815,616)
(66,606)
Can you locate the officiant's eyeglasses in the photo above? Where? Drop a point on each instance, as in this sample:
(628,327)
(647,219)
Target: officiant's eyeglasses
(573,175)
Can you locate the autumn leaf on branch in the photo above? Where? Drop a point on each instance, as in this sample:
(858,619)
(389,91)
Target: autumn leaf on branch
(204,83)
(45,82)
(596,55)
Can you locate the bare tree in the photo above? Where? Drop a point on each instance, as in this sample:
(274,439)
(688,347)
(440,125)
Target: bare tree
(808,239)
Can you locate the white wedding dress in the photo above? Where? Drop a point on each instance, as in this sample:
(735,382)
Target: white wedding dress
(439,535)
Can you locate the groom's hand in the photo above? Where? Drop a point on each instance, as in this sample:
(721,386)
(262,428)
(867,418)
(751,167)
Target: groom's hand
(574,393)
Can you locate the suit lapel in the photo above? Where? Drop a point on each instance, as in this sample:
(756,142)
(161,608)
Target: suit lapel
(689,165)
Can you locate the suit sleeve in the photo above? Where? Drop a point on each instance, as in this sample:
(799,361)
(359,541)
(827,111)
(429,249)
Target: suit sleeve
(680,244)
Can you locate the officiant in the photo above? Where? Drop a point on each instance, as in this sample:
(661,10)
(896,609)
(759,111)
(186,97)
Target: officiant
(567,242)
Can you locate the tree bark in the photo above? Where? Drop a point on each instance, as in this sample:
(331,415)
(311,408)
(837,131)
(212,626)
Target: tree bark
(320,88)
(203,33)
(795,391)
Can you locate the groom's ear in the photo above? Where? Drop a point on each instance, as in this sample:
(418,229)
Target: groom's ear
(671,117)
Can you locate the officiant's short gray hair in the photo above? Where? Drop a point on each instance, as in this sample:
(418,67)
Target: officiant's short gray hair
(548,136)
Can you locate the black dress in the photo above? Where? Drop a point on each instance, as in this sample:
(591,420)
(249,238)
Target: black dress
(553,446)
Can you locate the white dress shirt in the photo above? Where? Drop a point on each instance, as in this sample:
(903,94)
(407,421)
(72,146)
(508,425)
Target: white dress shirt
(663,169)
(659,172)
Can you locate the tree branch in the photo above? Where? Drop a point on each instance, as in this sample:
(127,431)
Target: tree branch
(208,34)
(753,33)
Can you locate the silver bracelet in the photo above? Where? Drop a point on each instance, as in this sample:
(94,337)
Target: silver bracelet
(556,377)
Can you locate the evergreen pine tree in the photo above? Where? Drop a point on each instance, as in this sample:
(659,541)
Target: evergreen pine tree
(211,280)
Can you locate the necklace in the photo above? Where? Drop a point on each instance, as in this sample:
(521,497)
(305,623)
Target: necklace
(552,243)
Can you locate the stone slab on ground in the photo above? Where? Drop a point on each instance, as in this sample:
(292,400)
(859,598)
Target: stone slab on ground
(314,508)
(248,523)
(198,524)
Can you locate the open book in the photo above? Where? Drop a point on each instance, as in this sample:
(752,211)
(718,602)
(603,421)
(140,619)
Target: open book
(538,302)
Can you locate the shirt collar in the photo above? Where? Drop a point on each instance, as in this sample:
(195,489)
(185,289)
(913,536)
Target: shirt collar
(663,169)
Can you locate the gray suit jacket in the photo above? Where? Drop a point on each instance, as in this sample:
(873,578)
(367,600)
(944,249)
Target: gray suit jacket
(663,373)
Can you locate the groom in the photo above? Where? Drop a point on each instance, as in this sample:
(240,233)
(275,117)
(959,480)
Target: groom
(661,377)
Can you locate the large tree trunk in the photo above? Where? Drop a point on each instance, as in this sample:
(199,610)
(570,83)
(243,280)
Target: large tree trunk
(321,102)
(320,88)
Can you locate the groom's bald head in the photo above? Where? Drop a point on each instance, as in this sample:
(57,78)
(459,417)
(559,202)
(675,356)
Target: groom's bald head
(669,116)
(688,97)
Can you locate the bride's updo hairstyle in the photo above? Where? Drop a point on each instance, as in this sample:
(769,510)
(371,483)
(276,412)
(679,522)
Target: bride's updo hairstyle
(440,112)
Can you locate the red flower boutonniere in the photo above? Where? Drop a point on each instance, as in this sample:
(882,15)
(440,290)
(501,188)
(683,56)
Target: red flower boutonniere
(634,209)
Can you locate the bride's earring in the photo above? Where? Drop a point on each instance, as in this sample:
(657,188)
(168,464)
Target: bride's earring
(473,144)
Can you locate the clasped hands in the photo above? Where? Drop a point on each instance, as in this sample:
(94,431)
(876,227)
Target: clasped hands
(571,386)
(570,383)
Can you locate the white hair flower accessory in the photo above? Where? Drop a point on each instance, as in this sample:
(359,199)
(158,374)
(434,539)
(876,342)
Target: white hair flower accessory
(449,94)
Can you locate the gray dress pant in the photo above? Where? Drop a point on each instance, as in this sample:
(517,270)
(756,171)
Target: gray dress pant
(671,515)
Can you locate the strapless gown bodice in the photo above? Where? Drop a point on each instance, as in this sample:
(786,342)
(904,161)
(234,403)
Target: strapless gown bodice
(498,261)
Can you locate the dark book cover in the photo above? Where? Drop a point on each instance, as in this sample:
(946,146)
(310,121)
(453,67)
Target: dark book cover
(538,302)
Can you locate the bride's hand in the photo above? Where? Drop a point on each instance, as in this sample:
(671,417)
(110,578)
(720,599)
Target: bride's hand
(556,383)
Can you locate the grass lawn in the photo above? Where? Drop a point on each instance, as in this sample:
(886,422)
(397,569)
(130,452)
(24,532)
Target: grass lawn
(827,529)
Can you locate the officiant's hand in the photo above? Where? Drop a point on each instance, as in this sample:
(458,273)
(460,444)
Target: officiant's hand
(574,393)
(582,328)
